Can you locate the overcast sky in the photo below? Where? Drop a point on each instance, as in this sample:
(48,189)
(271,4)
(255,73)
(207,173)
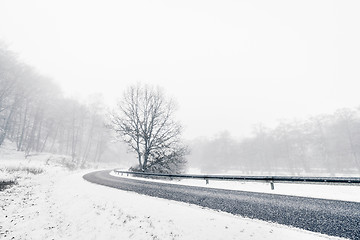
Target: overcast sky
(229,64)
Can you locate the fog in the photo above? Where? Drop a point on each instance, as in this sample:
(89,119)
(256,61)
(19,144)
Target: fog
(230,65)
(259,71)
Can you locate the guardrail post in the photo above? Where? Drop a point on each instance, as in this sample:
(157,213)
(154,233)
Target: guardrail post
(207,181)
(272,185)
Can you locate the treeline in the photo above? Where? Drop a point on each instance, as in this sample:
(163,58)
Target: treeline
(37,117)
(324,144)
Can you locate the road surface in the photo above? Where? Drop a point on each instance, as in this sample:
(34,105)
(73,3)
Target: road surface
(331,217)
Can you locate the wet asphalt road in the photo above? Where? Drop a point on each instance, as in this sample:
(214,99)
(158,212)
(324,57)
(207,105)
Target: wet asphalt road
(335,218)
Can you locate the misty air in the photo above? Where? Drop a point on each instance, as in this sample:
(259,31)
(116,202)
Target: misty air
(179,120)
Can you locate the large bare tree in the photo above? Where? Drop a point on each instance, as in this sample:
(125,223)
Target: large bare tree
(144,118)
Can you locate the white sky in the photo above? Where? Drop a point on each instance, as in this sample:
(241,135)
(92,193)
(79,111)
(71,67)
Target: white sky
(229,64)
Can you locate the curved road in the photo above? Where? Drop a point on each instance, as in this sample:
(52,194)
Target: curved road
(335,218)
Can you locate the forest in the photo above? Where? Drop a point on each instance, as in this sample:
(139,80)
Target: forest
(327,144)
(36,116)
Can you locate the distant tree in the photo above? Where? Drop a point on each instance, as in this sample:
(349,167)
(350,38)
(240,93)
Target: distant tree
(347,127)
(144,119)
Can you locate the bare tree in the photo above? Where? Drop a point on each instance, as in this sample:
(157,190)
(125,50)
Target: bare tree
(144,118)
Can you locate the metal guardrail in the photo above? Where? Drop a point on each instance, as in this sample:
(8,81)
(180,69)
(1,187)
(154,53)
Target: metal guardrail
(269,179)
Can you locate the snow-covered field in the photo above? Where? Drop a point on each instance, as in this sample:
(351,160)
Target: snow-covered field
(59,204)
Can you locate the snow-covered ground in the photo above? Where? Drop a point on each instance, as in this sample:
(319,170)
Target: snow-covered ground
(333,192)
(59,204)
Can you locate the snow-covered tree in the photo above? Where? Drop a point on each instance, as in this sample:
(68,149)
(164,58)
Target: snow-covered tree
(145,120)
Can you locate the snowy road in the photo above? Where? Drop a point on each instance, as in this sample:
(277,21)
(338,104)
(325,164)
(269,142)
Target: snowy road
(335,218)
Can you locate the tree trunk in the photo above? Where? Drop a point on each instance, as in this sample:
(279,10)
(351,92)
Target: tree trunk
(7,124)
(20,141)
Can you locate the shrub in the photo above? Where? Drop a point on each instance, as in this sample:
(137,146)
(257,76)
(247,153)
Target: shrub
(7,183)
(32,170)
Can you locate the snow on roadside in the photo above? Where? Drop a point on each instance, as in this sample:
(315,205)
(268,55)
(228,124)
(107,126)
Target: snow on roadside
(333,192)
(59,204)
